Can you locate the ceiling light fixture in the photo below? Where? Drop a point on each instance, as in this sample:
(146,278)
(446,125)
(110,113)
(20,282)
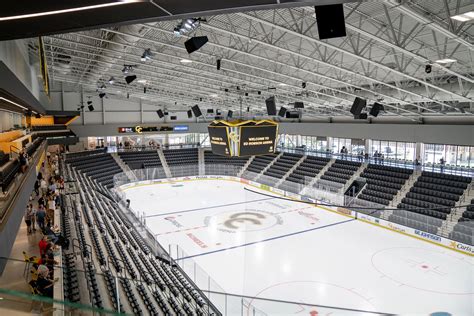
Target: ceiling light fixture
(146,55)
(282,84)
(185,61)
(187,26)
(14,103)
(446,61)
(111,80)
(90,7)
(143,81)
(464,17)
(127,69)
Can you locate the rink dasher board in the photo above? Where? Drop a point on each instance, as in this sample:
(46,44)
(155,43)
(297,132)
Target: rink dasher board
(408,231)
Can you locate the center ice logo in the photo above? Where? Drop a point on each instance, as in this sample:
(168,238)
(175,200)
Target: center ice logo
(243,221)
(244,217)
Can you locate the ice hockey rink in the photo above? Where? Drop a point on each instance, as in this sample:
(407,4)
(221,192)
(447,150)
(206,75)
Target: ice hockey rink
(262,246)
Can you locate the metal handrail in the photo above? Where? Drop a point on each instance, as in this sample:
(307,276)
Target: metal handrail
(5,213)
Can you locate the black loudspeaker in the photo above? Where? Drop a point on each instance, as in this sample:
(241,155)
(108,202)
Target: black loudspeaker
(91,107)
(292,114)
(160,113)
(196,110)
(428,69)
(358,105)
(230,113)
(173,118)
(271,106)
(218,64)
(299,105)
(129,79)
(282,112)
(194,43)
(376,108)
(361,116)
(190,114)
(330,20)
(210,111)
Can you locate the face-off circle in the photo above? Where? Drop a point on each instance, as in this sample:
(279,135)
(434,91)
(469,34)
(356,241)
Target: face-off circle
(425,269)
(309,291)
(248,220)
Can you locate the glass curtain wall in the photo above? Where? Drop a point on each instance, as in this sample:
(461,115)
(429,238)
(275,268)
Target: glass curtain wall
(453,155)
(393,150)
(338,143)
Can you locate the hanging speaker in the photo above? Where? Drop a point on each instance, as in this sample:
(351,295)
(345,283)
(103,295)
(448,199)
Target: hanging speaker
(160,113)
(358,105)
(130,79)
(299,105)
(173,118)
(194,43)
(90,107)
(361,116)
(196,110)
(230,113)
(330,21)
(282,112)
(210,111)
(292,114)
(190,114)
(271,106)
(218,64)
(376,108)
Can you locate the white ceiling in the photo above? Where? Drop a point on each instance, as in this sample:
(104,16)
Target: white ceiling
(382,58)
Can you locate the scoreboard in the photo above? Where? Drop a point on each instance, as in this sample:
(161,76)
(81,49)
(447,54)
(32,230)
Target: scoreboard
(243,138)
(219,139)
(257,140)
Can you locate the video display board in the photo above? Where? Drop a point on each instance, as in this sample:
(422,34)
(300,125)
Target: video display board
(219,139)
(257,140)
(243,138)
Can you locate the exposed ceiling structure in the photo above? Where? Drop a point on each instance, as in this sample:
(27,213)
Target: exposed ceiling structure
(277,52)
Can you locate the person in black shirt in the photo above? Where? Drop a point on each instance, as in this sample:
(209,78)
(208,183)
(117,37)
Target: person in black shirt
(44,284)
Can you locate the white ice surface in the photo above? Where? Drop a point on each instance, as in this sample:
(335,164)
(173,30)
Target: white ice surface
(280,254)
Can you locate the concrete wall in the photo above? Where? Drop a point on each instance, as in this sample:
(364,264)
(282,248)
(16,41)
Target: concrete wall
(15,56)
(439,134)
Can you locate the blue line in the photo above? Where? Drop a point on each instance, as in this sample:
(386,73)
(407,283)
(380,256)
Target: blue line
(209,207)
(268,239)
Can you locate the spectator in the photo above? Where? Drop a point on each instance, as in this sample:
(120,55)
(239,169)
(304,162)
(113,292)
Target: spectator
(52,186)
(43,244)
(23,161)
(52,233)
(44,284)
(37,185)
(42,201)
(28,218)
(43,186)
(343,151)
(41,217)
(376,155)
(51,208)
(442,162)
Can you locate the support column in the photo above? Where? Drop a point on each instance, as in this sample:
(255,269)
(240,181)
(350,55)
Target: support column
(419,152)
